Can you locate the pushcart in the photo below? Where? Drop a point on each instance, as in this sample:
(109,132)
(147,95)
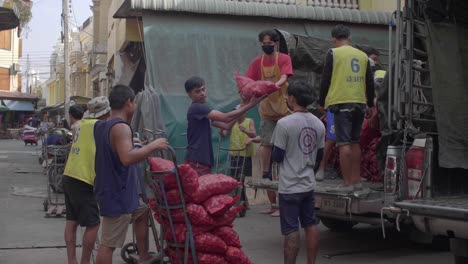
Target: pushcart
(184,252)
(234,165)
(129,251)
(54,204)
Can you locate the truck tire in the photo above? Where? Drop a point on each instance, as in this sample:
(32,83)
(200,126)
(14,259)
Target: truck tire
(337,225)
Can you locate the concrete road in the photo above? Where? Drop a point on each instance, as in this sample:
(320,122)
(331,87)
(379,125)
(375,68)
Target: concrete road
(27,237)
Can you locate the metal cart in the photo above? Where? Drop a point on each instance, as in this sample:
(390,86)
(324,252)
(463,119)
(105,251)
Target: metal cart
(185,252)
(54,206)
(234,166)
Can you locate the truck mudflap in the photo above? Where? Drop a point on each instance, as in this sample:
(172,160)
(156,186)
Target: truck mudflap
(451,208)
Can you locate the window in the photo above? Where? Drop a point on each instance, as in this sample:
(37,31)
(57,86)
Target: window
(4,79)
(5,39)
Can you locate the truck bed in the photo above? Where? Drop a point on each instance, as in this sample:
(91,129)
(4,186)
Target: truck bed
(368,201)
(455,208)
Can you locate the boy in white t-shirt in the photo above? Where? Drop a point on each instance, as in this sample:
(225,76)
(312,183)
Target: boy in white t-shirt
(298,142)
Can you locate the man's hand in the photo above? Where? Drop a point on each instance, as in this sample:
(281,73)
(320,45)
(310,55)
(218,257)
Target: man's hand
(248,141)
(368,112)
(159,144)
(255,100)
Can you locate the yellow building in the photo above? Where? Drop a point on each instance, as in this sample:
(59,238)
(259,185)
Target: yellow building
(56,83)
(81,48)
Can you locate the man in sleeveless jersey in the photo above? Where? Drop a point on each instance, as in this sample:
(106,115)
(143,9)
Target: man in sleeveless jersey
(116,185)
(347,86)
(276,67)
(78,180)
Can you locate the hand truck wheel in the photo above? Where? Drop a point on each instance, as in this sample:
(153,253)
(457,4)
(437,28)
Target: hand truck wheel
(127,250)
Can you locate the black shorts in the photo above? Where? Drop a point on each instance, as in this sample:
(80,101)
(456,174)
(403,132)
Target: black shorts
(348,122)
(236,165)
(296,208)
(80,202)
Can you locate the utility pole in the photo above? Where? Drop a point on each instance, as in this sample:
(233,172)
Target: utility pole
(27,75)
(66,13)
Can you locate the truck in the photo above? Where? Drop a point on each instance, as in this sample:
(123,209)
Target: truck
(423,169)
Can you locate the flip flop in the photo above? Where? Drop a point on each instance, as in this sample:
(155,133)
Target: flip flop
(276,213)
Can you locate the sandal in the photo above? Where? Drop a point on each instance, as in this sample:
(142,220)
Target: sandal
(269,211)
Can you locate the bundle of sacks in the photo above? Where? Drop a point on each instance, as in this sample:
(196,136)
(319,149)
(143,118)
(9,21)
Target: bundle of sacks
(249,88)
(209,208)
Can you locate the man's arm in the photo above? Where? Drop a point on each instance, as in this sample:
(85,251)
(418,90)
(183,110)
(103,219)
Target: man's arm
(251,132)
(233,115)
(282,80)
(370,93)
(121,140)
(277,155)
(326,77)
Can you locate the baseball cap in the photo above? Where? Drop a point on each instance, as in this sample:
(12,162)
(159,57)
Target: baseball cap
(97,107)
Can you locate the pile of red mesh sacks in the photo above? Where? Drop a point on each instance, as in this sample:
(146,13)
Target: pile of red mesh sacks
(249,88)
(210,210)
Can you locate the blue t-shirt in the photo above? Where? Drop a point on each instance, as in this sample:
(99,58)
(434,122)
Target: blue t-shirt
(199,148)
(115,184)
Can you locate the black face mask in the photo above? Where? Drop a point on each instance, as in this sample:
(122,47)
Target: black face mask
(268,49)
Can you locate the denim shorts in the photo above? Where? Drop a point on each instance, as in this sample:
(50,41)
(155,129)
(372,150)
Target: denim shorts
(296,208)
(348,122)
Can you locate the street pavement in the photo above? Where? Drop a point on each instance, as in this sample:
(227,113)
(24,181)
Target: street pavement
(26,236)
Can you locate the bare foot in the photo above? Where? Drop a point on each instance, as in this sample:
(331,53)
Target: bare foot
(269,211)
(276,213)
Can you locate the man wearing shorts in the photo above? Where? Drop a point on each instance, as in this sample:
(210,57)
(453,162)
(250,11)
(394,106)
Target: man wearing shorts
(116,185)
(347,85)
(298,142)
(276,67)
(78,179)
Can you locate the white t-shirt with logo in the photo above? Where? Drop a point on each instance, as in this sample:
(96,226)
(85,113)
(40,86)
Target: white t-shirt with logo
(300,135)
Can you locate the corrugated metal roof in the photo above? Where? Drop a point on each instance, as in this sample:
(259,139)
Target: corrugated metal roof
(268,8)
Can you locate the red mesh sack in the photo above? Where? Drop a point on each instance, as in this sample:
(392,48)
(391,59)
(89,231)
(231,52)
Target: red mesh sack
(181,232)
(159,164)
(213,184)
(228,235)
(242,83)
(248,87)
(236,256)
(229,217)
(209,243)
(189,178)
(203,258)
(196,213)
(219,204)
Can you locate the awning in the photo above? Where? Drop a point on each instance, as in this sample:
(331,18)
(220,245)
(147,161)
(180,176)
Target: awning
(51,108)
(19,105)
(3,107)
(9,17)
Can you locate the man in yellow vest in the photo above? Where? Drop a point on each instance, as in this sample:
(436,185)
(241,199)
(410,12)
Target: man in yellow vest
(276,67)
(78,181)
(347,86)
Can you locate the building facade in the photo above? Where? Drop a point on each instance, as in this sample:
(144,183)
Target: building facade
(81,48)
(10,54)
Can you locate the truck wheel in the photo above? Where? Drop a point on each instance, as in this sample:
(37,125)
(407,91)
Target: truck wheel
(337,225)
(461,260)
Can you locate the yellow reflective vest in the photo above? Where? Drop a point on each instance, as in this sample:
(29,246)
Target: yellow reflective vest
(81,160)
(348,82)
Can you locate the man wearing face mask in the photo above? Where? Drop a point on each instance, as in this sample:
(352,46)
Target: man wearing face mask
(276,67)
